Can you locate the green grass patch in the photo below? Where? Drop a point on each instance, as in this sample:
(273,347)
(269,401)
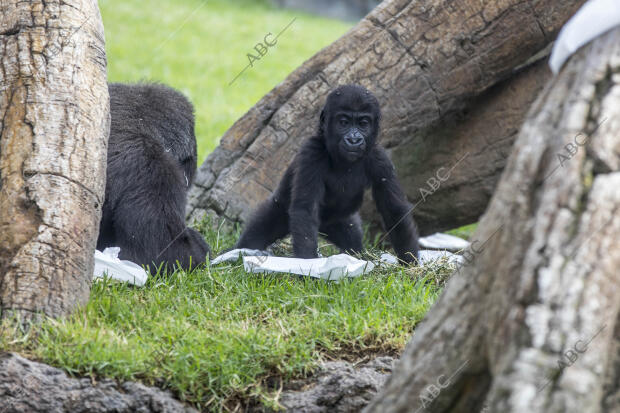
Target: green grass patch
(216,336)
(199,46)
(465,232)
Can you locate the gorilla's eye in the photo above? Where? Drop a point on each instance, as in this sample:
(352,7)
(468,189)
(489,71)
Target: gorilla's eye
(364,122)
(343,121)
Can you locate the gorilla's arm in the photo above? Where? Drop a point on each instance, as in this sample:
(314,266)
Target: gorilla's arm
(306,192)
(392,205)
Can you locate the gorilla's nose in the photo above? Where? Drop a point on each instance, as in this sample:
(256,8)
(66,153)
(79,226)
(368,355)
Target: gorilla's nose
(354,140)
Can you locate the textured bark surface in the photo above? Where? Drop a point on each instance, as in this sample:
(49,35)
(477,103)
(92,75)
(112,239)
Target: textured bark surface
(532,323)
(426,61)
(28,386)
(54,123)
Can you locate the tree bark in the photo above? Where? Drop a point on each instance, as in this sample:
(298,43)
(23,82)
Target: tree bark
(427,62)
(54,125)
(531,324)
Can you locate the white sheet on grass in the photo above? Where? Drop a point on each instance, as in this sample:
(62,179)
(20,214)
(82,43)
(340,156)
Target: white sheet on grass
(439,241)
(592,20)
(430,256)
(426,257)
(233,255)
(256,261)
(107,263)
(329,268)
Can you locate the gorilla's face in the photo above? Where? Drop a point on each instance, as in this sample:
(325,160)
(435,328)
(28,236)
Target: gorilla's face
(352,131)
(350,122)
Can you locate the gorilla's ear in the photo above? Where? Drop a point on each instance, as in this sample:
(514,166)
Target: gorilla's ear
(322,125)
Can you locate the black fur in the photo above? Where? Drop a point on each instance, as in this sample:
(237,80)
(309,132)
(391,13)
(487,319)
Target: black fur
(322,189)
(151,164)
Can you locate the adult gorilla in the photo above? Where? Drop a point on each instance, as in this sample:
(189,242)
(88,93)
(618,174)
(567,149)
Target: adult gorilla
(322,189)
(151,164)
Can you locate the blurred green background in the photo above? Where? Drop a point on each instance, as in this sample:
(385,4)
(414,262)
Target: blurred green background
(198,47)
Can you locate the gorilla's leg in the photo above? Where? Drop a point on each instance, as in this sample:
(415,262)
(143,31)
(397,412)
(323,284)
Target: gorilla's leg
(346,234)
(268,224)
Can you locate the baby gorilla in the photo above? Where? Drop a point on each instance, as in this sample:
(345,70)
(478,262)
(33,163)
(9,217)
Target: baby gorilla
(322,189)
(151,164)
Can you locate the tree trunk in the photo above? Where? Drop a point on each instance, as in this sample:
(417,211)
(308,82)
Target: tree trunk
(54,124)
(427,61)
(531,324)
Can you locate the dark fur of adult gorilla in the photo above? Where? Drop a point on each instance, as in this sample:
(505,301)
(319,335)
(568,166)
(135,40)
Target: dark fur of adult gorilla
(323,187)
(151,164)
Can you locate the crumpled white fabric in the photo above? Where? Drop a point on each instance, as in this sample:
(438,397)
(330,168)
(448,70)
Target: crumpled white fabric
(108,264)
(592,20)
(425,257)
(330,268)
(430,256)
(233,255)
(440,241)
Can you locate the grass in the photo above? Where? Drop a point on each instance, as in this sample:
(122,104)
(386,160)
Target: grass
(199,46)
(465,232)
(218,336)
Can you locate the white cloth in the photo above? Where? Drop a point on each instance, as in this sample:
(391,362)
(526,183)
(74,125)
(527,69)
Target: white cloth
(108,264)
(439,241)
(233,255)
(430,256)
(425,257)
(592,20)
(330,268)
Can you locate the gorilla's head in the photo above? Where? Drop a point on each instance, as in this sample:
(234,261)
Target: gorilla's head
(350,122)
